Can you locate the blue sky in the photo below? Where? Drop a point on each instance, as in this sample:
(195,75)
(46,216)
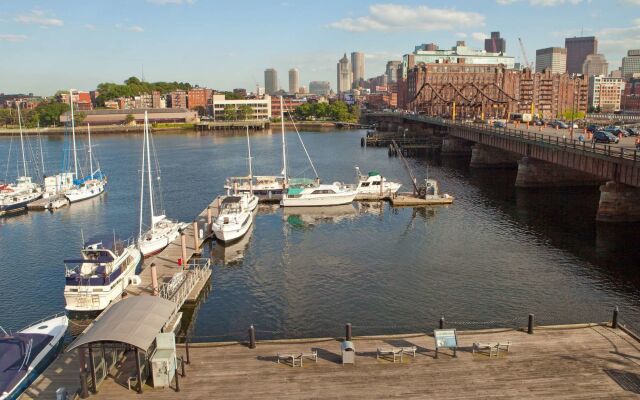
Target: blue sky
(50,45)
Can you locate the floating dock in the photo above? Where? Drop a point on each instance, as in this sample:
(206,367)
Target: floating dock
(585,361)
(50,203)
(412,200)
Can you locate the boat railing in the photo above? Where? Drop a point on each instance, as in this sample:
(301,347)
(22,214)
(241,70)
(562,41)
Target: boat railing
(27,355)
(179,287)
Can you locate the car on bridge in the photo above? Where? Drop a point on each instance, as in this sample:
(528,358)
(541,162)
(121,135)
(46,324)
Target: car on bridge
(632,131)
(499,124)
(558,124)
(604,137)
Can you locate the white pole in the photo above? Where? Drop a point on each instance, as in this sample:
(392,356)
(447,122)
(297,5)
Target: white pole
(90,157)
(41,152)
(73,136)
(144,139)
(284,146)
(250,168)
(24,160)
(146,125)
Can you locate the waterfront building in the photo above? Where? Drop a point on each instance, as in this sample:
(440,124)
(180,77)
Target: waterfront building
(631,64)
(605,93)
(144,100)
(320,88)
(119,116)
(595,64)
(357,68)
(553,59)
(290,103)
(294,80)
(578,48)
(81,100)
(240,92)
(631,97)
(270,81)
(260,107)
(458,54)
(392,71)
(177,99)
(345,74)
(547,93)
(199,97)
(157,100)
(495,44)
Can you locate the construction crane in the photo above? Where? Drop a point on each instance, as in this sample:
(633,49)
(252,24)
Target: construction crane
(524,55)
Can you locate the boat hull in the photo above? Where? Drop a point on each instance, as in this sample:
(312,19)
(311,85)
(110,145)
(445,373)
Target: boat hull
(154,246)
(335,199)
(231,232)
(17,206)
(76,195)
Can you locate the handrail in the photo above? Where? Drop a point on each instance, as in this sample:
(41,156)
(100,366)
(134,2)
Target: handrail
(27,354)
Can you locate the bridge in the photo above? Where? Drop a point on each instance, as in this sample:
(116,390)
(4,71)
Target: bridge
(543,159)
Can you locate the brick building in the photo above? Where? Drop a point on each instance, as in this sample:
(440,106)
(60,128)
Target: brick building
(631,96)
(489,90)
(199,97)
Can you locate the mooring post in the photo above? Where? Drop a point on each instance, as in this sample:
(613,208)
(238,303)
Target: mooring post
(209,221)
(530,325)
(184,373)
(183,244)
(138,370)
(92,369)
(154,279)
(252,337)
(177,381)
(614,321)
(186,345)
(347,332)
(84,386)
(441,324)
(195,236)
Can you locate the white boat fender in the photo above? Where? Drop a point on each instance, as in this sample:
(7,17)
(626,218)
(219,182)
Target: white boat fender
(135,280)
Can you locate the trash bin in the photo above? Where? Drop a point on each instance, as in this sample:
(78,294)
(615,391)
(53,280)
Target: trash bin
(348,352)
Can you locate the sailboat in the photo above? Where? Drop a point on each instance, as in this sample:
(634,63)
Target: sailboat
(236,212)
(16,196)
(312,193)
(163,230)
(89,186)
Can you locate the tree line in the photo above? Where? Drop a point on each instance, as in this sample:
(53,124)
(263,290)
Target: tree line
(135,87)
(335,111)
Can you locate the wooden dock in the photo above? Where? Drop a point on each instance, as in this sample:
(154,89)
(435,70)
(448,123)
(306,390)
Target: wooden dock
(412,200)
(49,203)
(569,362)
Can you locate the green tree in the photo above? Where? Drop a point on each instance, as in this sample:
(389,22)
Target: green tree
(128,120)
(244,112)
(230,112)
(571,115)
(48,114)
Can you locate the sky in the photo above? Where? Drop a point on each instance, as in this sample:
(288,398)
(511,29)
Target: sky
(59,44)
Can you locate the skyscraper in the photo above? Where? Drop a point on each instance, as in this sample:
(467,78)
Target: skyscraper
(631,64)
(294,80)
(595,64)
(578,48)
(392,71)
(357,65)
(553,59)
(345,74)
(495,44)
(270,81)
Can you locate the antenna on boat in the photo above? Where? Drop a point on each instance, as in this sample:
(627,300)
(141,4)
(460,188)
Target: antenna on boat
(284,145)
(41,153)
(82,236)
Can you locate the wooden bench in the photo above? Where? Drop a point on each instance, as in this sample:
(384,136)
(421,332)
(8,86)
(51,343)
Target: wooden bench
(492,348)
(409,350)
(394,352)
(290,356)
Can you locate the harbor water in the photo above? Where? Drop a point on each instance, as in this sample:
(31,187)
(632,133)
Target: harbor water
(494,256)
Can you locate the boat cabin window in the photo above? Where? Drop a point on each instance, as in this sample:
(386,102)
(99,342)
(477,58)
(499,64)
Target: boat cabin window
(375,183)
(323,192)
(365,184)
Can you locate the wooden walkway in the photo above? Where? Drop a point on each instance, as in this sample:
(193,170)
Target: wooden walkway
(594,362)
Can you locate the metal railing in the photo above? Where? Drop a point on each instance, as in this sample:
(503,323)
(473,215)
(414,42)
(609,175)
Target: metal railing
(178,288)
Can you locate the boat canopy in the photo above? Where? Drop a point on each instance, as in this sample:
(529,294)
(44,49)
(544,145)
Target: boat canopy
(96,175)
(12,349)
(374,173)
(301,182)
(294,191)
(231,199)
(103,258)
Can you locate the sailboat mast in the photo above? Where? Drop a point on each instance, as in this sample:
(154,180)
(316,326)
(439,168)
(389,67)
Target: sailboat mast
(250,167)
(41,152)
(90,151)
(144,140)
(24,160)
(284,146)
(146,126)
(73,136)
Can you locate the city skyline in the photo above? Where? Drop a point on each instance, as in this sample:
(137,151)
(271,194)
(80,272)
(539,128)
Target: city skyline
(53,46)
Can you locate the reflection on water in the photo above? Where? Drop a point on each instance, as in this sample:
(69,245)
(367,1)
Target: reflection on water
(497,253)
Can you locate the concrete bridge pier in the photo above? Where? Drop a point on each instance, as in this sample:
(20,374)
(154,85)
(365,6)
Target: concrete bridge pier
(618,203)
(534,173)
(489,157)
(455,147)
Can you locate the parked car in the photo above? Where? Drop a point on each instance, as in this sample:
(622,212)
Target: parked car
(632,132)
(499,124)
(616,131)
(604,137)
(538,122)
(593,128)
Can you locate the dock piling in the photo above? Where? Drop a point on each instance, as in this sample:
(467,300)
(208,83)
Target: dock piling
(84,386)
(530,325)
(196,245)
(614,320)
(209,221)
(441,323)
(183,243)
(252,337)
(177,381)
(92,369)
(154,279)
(186,346)
(348,332)
(184,373)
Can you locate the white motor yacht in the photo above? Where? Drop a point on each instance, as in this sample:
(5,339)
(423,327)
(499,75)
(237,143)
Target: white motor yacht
(307,193)
(235,217)
(373,185)
(101,275)
(162,230)
(266,188)
(24,355)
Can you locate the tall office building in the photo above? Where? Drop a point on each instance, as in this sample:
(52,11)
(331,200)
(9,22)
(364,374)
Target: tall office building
(392,71)
(357,65)
(294,80)
(631,64)
(595,64)
(495,44)
(271,81)
(578,48)
(553,59)
(345,74)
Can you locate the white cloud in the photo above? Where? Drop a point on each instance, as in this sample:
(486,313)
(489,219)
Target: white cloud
(631,2)
(7,37)
(90,27)
(132,28)
(396,17)
(461,35)
(616,41)
(174,2)
(38,17)
(479,36)
(547,3)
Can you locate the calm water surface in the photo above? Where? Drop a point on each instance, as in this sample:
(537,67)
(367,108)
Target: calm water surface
(495,256)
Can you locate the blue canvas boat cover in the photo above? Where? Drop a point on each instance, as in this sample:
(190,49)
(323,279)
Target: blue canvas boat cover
(12,356)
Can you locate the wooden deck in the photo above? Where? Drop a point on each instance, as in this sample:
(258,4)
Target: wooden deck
(560,363)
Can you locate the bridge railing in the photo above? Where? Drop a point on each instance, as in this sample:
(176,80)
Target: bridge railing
(535,137)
